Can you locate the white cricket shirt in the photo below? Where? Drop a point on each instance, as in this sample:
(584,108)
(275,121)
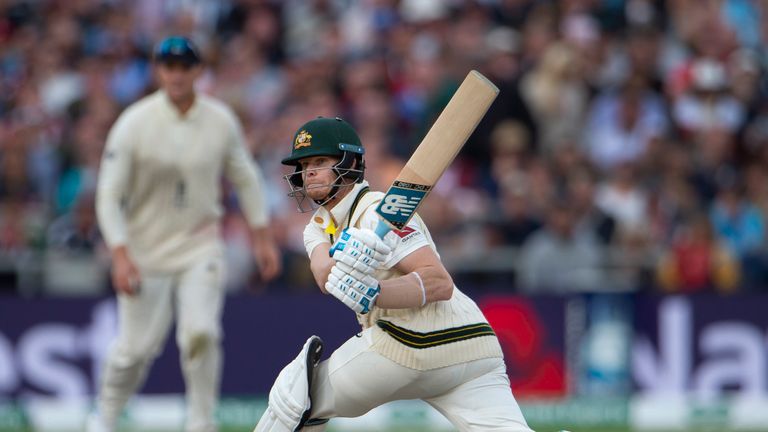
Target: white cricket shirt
(438,334)
(159,186)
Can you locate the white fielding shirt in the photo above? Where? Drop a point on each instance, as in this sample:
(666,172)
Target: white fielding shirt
(159,187)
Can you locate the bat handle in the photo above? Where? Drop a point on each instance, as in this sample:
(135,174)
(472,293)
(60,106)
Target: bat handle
(382,228)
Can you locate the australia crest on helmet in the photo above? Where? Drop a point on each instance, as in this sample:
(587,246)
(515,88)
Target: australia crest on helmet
(303,139)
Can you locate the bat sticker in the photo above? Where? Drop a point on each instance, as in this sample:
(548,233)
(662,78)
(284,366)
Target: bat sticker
(400,201)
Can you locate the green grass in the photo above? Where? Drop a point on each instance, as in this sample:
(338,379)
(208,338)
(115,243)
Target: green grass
(241,414)
(537,429)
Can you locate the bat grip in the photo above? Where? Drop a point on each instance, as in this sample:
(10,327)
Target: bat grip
(382,228)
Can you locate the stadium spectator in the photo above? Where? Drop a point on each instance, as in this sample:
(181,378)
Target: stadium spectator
(622,123)
(740,225)
(696,261)
(559,258)
(556,96)
(590,218)
(709,103)
(622,197)
(581,78)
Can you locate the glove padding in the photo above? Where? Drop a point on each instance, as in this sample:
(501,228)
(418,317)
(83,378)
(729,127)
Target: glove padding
(360,249)
(355,289)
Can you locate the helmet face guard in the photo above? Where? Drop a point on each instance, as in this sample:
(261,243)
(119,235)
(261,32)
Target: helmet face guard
(345,169)
(325,137)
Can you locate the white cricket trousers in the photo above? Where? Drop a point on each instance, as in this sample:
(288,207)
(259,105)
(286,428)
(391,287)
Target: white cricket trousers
(473,396)
(195,296)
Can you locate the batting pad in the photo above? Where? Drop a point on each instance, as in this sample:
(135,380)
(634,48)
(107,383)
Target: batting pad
(289,399)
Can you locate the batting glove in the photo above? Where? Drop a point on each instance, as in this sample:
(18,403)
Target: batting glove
(360,249)
(356,290)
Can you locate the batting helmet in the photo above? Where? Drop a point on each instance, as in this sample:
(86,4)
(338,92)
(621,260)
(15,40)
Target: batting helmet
(328,137)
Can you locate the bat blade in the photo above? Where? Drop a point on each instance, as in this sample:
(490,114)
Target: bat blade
(436,151)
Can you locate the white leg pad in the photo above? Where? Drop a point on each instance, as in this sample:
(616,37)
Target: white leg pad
(289,399)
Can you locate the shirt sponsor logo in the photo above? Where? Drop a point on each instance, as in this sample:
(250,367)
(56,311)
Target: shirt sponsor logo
(404,232)
(410,237)
(407,234)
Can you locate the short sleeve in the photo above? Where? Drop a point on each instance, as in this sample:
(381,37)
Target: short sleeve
(314,236)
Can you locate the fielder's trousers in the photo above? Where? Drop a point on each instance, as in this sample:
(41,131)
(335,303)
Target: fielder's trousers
(195,297)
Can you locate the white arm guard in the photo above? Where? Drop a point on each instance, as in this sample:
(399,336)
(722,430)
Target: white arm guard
(290,400)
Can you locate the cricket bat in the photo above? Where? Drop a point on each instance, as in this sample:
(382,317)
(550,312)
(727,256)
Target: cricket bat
(436,152)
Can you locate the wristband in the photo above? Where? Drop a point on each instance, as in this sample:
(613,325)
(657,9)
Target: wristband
(423,291)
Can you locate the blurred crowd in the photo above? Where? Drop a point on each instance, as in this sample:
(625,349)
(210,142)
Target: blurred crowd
(628,148)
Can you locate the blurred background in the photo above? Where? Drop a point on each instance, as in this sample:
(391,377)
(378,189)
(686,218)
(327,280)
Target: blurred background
(609,213)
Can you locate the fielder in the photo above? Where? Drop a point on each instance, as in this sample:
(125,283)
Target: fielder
(158,206)
(422,338)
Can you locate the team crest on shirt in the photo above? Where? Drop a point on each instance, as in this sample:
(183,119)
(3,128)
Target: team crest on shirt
(303,139)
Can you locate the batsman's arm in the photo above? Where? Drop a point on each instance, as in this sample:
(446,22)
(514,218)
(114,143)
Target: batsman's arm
(320,263)
(425,280)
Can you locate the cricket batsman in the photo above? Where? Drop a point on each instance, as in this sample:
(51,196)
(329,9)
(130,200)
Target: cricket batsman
(422,338)
(158,206)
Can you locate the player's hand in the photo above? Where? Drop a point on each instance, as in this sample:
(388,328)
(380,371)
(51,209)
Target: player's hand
(361,249)
(266,254)
(125,274)
(356,290)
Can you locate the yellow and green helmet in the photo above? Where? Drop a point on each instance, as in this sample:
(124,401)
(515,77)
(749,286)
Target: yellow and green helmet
(328,137)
